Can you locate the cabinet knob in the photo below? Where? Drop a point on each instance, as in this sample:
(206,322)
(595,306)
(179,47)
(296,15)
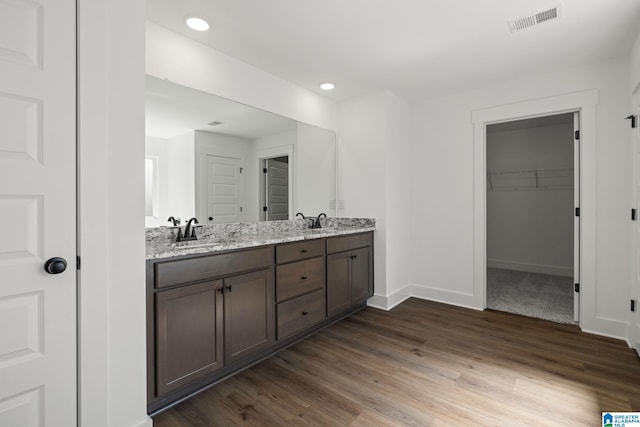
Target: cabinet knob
(304,251)
(304,277)
(304,313)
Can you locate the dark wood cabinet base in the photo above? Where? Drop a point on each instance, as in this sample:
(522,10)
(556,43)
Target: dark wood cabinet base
(211,316)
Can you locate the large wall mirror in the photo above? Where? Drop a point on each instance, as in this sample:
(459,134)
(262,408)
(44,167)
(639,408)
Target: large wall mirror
(222,161)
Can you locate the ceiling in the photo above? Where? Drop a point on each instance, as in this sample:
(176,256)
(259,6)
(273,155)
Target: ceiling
(415,48)
(172,110)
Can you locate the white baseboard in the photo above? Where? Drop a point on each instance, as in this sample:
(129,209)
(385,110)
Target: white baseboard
(531,268)
(446,297)
(145,423)
(599,326)
(607,328)
(386,303)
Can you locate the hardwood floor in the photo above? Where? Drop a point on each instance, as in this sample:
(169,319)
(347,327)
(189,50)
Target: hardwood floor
(427,364)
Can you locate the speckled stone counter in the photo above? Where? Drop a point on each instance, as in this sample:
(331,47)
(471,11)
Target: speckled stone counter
(161,241)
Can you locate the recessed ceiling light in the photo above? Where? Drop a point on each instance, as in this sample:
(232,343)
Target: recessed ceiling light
(327,86)
(197,24)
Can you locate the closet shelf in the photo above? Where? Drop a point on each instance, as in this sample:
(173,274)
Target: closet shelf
(530,179)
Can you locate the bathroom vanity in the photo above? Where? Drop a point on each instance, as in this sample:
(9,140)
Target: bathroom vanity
(216,308)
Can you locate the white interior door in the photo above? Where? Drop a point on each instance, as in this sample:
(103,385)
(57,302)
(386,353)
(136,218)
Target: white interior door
(635,291)
(277,187)
(38,211)
(576,220)
(224,190)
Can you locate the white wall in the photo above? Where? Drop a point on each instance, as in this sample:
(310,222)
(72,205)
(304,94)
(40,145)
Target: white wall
(315,170)
(531,230)
(111,289)
(157,148)
(442,243)
(373,168)
(181,168)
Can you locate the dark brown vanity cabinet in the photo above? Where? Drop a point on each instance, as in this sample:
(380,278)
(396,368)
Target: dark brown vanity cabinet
(211,315)
(248,314)
(349,271)
(300,286)
(202,323)
(189,334)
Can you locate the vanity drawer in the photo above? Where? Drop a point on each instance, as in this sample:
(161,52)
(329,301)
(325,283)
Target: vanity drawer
(191,270)
(299,278)
(299,250)
(300,313)
(345,243)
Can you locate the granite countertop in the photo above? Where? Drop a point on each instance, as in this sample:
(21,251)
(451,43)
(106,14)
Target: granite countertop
(224,237)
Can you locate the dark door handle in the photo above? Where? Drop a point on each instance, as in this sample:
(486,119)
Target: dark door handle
(210,218)
(55,265)
(229,288)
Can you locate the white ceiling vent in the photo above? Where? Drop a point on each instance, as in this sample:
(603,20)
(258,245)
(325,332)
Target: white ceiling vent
(535,19)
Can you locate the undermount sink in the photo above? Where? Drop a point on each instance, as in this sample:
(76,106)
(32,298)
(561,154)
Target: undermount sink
(196,244)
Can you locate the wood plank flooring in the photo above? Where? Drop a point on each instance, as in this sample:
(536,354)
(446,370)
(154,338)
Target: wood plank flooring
(427,364)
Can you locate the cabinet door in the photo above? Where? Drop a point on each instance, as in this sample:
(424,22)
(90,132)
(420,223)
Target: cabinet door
(189,332)
(248,313)
(338,283)
(360,274)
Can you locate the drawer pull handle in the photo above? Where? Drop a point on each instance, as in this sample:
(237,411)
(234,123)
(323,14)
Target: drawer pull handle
(229,288)
(304,313)
(221,290)
(304,277)
(304,251)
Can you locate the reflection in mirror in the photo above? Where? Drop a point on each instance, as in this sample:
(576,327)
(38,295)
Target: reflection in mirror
(222,161)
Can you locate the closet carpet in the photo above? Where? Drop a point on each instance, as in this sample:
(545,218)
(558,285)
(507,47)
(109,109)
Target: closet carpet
(543,296)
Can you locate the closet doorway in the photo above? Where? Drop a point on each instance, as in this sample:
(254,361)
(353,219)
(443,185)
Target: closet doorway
(532,214)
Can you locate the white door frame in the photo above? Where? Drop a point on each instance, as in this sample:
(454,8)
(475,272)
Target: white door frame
(269,153)
(634,319)
(585,102)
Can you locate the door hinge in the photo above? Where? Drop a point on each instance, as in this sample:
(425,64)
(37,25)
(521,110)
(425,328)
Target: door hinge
(633,305)
(264,208)
(576,287)
(240,209)
(633,215)
(264,170)
(577,211)
(633,120)
(77,262)
(241,170)
(576,135)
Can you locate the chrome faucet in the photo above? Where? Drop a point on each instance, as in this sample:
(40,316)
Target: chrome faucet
(316,222)
(189,232)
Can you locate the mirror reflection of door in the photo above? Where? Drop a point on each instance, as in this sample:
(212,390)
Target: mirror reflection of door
(224,190)
(275,189)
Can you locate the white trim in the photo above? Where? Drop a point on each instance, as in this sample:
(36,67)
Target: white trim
(268,153)
(444,296)
(556,270)
(583,101)
(388,302)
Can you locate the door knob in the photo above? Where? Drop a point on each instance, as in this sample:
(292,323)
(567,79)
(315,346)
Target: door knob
(55,265)
(210,218)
